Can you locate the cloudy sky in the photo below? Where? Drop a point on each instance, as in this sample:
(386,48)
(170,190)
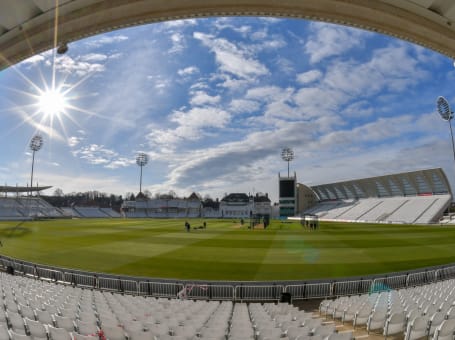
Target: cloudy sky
(213,102)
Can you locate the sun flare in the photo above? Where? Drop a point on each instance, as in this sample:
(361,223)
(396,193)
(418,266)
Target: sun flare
(52,103)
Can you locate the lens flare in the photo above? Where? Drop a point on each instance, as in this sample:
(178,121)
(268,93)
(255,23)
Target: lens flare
(52,103)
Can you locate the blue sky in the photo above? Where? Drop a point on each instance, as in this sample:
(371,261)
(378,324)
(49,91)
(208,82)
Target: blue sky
(213,102)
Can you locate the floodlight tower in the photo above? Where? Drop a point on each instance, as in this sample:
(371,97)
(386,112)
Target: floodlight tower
(36,144)
(446,113)
(141,160)
(287,154)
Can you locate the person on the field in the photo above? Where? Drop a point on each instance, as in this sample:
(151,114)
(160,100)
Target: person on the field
(187,226)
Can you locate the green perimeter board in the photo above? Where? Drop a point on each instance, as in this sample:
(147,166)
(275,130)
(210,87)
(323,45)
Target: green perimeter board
(225,250)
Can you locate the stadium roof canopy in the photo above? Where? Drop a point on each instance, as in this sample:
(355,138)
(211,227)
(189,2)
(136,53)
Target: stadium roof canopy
(416,183)
(27,26)
(16,189)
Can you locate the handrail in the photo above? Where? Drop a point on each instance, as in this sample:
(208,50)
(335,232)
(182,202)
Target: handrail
(229,290)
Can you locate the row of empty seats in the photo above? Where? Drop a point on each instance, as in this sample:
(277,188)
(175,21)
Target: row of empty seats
(414,313)
(32,309)
(90,212)
(39,310)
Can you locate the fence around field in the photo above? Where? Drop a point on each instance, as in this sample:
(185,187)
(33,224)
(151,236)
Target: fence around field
(233,291)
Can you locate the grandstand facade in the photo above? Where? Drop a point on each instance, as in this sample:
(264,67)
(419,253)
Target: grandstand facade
(418,197)
(163,207)
(234,205)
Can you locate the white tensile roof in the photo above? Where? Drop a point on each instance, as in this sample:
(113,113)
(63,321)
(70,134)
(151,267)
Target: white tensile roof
(415,183)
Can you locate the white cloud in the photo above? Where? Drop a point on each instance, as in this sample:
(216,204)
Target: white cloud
(191,125)
(201,117)
(101,40)
(200,98)
(309,76)
(231,58)
(331,40)
(188,71)
(74,141)
(358,109)
(285,65)
(316,101)
(180,23)
(381,72)
(36,59)
(178,42)
(121,162)
(96,154)
(353,152)
(91,57)
(68,65)
(244,105)
(227,23)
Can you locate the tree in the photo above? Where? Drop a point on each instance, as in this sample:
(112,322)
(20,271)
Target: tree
(58,192)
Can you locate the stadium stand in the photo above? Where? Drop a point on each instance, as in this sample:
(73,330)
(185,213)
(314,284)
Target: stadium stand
(21,208)
(111,213)
(412,197)
(417,312)
(70,212)
(91,212)
(237,205)
(39,309)
(168,207)
(35,309)
(18,208)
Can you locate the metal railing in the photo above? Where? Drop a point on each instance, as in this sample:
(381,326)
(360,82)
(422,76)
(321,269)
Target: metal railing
(258,292)
(421,278)
(351,287)
(309,290)
(117,285)
(81,280)
(234,291)
(210,291)
(160,289)
(445,273)
(392,282)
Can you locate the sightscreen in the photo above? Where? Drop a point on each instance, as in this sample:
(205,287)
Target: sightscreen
(287,188)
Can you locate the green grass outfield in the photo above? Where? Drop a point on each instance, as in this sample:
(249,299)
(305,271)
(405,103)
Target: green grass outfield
(226,251)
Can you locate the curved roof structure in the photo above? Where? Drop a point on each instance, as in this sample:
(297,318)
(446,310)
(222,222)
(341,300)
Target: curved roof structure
(27,26)
(16,189)
(422,182)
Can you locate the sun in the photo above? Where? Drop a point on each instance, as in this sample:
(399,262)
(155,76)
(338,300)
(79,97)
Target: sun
(52,102)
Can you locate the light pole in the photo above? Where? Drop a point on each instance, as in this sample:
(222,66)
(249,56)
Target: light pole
(35,145)
(287,155)
(446,113)
(141,160)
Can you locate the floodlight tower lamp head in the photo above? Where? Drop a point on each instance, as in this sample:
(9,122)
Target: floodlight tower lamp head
(36,143)
(446,113)
(444,109)
(142,159)
(287,154)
